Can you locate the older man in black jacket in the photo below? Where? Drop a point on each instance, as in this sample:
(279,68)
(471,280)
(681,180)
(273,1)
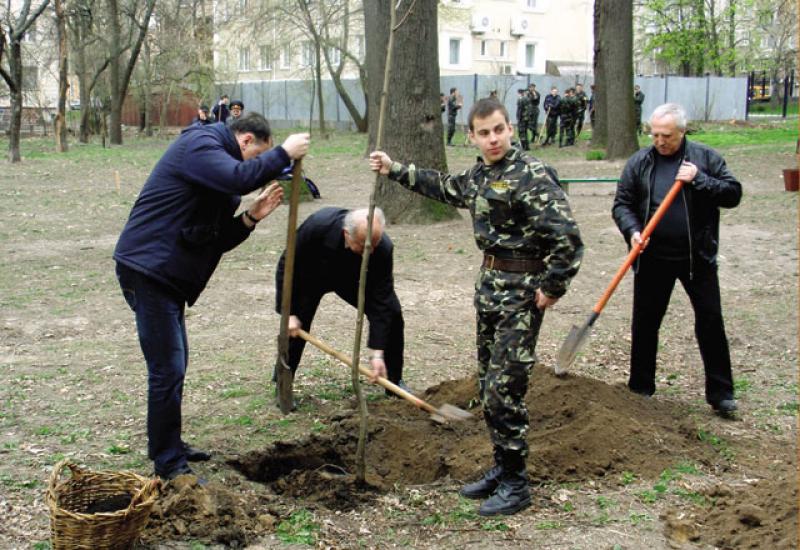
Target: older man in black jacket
(683,247)
(328,259)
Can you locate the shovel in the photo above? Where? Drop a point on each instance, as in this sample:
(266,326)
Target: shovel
(441,415)
(284,375)
(577,336)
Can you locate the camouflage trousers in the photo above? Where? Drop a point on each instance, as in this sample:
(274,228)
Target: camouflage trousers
(506,339)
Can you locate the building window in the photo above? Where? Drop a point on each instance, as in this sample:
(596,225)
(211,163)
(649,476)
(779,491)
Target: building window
(286,57)
(244,59)
(30,77)
(335,55)
(455,51)
(266,58)
(530,4)
(307,57)
(502,49)
(483,48)
(530,55)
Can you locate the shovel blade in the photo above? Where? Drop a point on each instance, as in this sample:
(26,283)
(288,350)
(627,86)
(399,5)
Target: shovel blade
(572,345)
(285,381)
(451,412)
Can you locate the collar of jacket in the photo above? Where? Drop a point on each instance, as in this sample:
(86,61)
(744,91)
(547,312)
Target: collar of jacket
(510,156)
(222,133)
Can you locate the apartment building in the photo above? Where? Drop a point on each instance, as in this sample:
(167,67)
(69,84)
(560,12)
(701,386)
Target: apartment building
(475,37)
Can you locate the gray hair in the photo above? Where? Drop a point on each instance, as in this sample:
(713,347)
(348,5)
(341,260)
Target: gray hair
(674,110)
(355,217)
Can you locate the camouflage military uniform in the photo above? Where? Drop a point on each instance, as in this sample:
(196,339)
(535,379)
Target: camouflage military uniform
(533,113)
(523,108)
(583,102)
(638,99)
(566,116)
(518,211)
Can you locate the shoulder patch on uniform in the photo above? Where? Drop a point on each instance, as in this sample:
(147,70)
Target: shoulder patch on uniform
(499,185)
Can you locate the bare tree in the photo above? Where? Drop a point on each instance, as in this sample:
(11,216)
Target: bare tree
(413,120)
(600,123)
(138,21)
(14,27)
(61,115)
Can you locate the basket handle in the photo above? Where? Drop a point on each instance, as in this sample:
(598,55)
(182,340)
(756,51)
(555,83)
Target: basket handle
(56,473)
(149,489)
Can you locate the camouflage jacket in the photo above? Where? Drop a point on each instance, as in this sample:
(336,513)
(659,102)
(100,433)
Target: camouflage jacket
(517,207)
(582,100)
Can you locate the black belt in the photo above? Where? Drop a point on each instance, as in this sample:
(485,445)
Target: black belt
(519,265)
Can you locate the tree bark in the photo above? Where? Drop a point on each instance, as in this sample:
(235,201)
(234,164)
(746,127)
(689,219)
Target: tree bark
(600,124)
(15,67)
(413,126)
(617,36)
(61,116)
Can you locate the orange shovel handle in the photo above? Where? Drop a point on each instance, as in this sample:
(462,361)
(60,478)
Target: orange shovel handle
(637,249)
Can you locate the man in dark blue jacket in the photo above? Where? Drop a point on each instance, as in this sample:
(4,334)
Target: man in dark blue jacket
(328,252)
(551,107)
(683,247)
(179,227)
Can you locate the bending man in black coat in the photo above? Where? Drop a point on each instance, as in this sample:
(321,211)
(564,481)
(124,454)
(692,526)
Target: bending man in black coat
(328,259)
(683,247)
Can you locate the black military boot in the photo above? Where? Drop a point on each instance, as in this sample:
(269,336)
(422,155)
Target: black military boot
(486,485)
(512,495)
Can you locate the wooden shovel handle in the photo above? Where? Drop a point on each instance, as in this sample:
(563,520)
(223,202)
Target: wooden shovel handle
(366,372)
(637,249)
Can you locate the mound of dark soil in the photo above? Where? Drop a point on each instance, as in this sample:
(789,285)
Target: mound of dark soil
(581,429)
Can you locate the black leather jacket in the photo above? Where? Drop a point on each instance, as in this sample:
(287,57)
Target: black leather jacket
(714,187)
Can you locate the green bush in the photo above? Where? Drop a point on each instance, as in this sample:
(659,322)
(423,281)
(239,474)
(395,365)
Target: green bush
(595,154)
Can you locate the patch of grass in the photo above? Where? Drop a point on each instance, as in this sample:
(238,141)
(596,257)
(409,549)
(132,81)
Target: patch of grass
(789,409)
(697,498)
(41,545)
(465,511)
(730,135)
(298,528)
(44,430)
(434,519)
(595,154)
(244,420)
(605,503)
(742,385)
(719,444)
(548,525)
(232,392)
(648,497)
(494,525)
(119,449)
(626,478)
(637,519)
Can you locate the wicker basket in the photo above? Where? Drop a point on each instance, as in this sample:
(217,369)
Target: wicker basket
(72,526)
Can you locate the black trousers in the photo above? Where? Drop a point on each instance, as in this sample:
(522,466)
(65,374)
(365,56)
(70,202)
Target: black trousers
(652,288)
(392,355)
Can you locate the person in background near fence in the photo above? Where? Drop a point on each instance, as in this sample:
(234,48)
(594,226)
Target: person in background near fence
(523,107)
(580,97)
(551,103)
(591,106)
(331,242)
(454,103)
(442,101)
(220,110)
(567,109)
(237,108)
(683,247)
(179,227)
(202,117)
(638,99)
(533,112)
(532,249)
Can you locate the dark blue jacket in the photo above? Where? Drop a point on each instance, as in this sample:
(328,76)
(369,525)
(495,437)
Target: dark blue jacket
(182,221)
(551,103)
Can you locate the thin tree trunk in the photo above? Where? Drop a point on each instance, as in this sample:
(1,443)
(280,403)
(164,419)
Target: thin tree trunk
(116,100)
(318,77)
(600,124)
(17,98)
(61,116)
(732,36)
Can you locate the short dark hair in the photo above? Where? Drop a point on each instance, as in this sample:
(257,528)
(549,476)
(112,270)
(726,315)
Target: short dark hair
(223,96)
(203,108)
(453,89)
(253,123)
(484,108)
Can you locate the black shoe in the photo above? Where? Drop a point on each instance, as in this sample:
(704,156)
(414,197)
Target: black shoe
(643,393)
(195,455)
(485,486)
(402,385)
(725,407)
(172,474)
(511,496)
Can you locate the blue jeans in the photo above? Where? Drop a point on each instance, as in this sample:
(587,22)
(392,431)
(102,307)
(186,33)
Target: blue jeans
(162,337)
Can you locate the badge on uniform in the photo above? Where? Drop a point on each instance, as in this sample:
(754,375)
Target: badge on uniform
(499,185)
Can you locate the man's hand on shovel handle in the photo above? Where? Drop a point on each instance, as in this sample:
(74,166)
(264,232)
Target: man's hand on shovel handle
(294,326)
(378,367)
(636,240)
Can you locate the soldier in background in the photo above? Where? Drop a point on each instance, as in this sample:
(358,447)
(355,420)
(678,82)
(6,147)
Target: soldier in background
(583,101)
(532,248)
(638,99)
(551,103)
(567,109)
(454,103)
(591,106)
(523,109)
(533,117)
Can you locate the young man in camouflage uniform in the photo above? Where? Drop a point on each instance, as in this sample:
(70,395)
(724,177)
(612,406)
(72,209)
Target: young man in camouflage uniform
(533,115)
(453,105)
(532,248)
(583,102)
(523,108)
(567,109)
(638,100)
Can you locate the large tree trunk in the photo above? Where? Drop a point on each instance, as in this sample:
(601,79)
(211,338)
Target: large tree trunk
(617,32)
(600,124)
(413,129)
(15,67)
(61,116)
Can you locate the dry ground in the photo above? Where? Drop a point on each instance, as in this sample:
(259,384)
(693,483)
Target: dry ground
(609,470)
